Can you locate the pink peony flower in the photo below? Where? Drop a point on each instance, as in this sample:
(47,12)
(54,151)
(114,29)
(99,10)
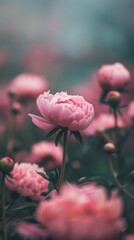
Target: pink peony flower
(102,122)
(46,154)
(29,230)
(63,110)
(28,85)
(113,76)
(82,213)
(27,182)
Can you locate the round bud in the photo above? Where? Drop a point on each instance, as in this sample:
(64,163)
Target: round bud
(16,108)
(113,98)
(6,165)
(109,147)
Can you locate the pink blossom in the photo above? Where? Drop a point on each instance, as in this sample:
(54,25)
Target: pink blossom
(102,122)
(28,85)
(29,230)
(113,76)
(46,154)
(63,110)
(82,213)
(27,182)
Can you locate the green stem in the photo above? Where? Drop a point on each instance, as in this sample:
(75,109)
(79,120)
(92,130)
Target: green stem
(122,187)
(63,160)
(115,117)
(3,206)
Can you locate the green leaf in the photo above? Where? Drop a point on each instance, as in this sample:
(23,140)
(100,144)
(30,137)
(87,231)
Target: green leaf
(77,136)
(58,137)
(52,132)
(43,175)
(23,207)
(44,194)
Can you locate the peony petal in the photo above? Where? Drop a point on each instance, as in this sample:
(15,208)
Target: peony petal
(41,122)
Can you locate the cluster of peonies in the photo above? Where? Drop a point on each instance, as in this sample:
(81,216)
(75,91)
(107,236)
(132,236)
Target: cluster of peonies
(26,181)
(82,213)
(46,154)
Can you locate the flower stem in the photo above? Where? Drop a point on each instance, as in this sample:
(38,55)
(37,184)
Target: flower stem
(63,160)
(3,206)
(122,187)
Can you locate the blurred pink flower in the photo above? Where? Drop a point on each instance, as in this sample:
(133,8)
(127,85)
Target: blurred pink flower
(27,182)
(63,110)
(29,230)
(46,154)
(28,85)
(102,122)
(113,76)
(82,213)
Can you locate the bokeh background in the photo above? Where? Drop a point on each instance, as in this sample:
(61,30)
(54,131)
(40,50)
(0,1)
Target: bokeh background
(64,40)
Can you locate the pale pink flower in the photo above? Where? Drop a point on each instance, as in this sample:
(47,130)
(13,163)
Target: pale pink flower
(63,110)
(28,85)
(46,154)
(102,122)
(113,76)
(130,112)
(26,181)
(82,213)
(29,230)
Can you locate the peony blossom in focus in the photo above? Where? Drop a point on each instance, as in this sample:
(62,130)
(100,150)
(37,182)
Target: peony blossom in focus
(26,181)
(82,213)
(63,110)
(102,122)
(113,76)
(28,85)
(46,154)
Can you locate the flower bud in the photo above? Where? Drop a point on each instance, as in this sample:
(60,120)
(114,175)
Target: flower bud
(6,165)
(113,98)
(109,147)
(16,108)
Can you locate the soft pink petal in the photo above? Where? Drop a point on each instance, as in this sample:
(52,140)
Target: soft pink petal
(41,123)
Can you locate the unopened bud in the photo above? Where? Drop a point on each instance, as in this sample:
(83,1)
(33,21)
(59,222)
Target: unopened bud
(109,147)
(6,165)
(113,98)
(16,108)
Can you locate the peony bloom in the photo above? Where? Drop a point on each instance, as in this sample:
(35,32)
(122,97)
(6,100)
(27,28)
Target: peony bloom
(46,154)
(82,213)
(28,85)
(113,76)
(102,122)
(63,110)
(27,182)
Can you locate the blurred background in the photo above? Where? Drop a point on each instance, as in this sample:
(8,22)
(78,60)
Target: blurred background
(66,41)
